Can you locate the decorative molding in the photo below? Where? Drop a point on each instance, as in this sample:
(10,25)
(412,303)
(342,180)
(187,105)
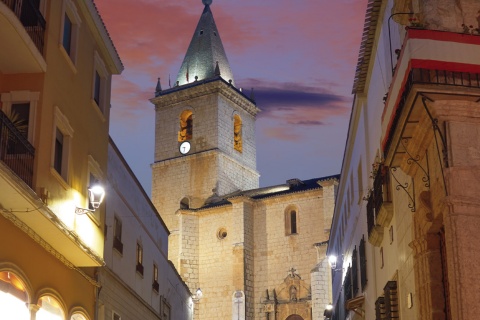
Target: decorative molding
(44,244)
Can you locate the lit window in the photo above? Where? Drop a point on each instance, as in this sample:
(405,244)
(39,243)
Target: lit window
(155,285)
(237,133)
(49,309)
(70,29)
(23,105)
(139,266)
(186,126)
(13,297)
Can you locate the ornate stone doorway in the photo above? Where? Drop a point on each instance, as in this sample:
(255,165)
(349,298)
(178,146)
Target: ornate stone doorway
(294,317)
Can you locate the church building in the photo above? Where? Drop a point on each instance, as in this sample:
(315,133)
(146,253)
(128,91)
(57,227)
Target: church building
(246,252)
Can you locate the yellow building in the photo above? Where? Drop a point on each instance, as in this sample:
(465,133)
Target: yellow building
(56,62)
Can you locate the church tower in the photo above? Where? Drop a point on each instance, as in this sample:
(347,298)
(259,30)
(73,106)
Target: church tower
(255,253)
(204,132)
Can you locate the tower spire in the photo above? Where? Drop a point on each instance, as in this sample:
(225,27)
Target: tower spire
(204,51)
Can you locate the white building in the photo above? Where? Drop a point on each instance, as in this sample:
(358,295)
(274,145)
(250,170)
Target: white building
(405,228)
(138,281)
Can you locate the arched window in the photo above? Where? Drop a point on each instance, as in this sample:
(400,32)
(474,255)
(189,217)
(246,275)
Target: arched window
(13,297)
(50,309)
(237,133)
(185,203)
(291,221)
(186,126)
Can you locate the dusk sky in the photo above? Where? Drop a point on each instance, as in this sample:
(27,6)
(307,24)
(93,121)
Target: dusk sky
(298,55)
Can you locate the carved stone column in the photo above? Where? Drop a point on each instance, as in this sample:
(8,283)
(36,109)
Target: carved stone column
(428,277)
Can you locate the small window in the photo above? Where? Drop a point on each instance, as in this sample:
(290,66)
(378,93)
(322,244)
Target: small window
(291,221)
(155,285)
(139,266)
(237,133)
(67,34)
(164,309)
(201,32)
(70,29)
(186,126)
(222,233)
(363,263)
(61,145)
(58,162)
(185,203)
(116,316)
(96,88)
(99,84)
(117,234)
(22,106)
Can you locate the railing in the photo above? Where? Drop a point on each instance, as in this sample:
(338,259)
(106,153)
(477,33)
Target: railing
(427,76)
(370,213)
(15,150)
(32,19)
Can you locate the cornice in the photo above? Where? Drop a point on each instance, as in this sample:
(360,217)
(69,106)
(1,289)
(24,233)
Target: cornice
(197,89)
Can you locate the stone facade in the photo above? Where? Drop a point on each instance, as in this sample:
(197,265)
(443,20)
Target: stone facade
(235,245)
(414,160)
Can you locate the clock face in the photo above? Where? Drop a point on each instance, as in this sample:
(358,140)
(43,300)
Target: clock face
(185,147)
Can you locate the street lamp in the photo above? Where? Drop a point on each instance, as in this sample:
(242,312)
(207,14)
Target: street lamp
(96,193)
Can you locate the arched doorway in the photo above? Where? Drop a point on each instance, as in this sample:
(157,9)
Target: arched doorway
(294,317)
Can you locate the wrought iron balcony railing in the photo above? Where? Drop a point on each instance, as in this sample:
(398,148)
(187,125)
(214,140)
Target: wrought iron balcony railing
(15,150)
(428,76)
(31,18)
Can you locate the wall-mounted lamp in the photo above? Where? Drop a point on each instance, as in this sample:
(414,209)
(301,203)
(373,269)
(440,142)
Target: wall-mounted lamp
(96,193)
(197,296)
(332,260)
(327,314)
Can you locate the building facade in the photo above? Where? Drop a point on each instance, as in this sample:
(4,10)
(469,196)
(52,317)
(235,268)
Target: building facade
(255,253)
(406,213)
(56,65)
(138,281)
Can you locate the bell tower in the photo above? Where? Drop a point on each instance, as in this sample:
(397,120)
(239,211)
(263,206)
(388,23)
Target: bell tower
(204,132)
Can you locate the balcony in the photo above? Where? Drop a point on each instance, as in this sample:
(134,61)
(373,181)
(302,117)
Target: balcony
(426,77)
(15,150)
(22,37)
(379,205)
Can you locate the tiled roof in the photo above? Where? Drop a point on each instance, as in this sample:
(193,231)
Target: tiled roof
(292,186)
(204,52)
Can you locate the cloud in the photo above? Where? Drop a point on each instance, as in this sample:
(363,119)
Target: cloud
(297,104)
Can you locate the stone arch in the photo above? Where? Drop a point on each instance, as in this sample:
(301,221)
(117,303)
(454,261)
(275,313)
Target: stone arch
(294,317)
(79,313)
(237,133)
(186,125)
(51,305)
(291,216)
